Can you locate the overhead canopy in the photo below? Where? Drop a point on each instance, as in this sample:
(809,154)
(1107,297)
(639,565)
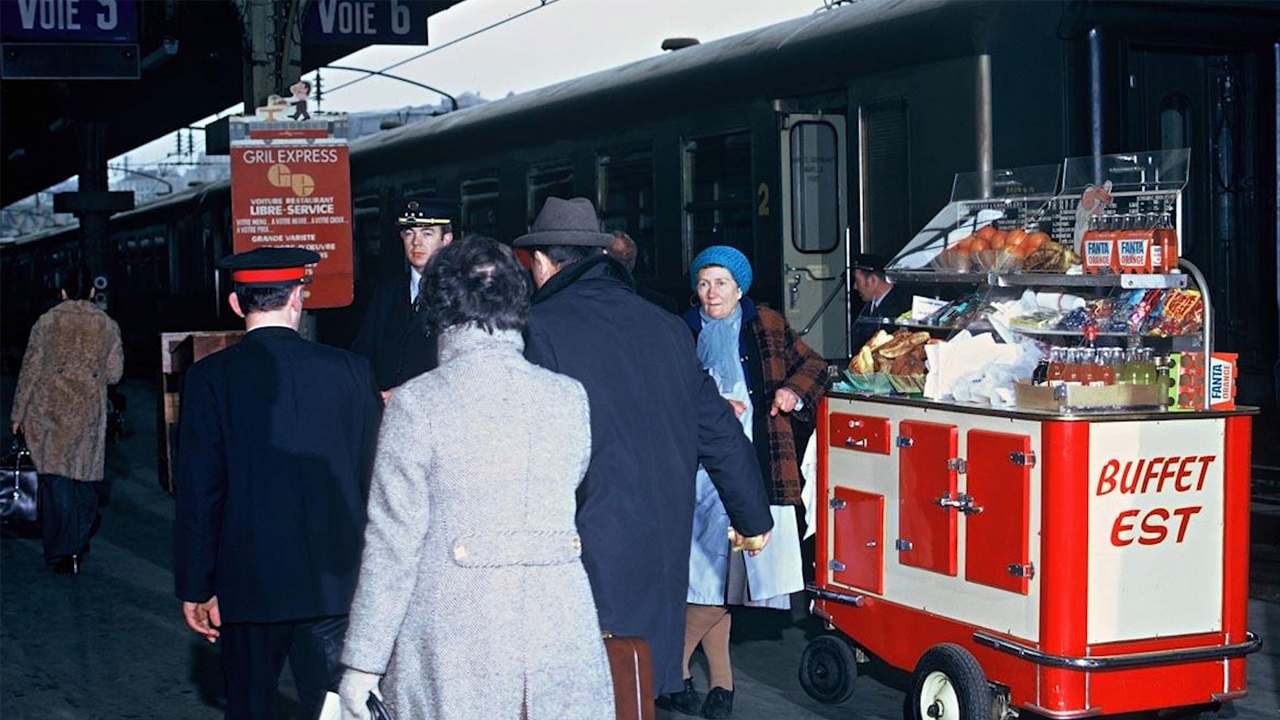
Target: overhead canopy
(180,82)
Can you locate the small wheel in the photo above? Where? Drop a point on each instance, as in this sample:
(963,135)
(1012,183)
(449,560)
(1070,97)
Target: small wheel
(948,684)
(828,670)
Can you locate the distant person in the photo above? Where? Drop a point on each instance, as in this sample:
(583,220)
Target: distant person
(770,376)
(473,601)
(881,296)
(60,405)
(654,415)
(275,447)
(624,249)
(394,336)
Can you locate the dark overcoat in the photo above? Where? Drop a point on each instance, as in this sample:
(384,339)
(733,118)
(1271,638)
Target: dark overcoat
(654,415)
(275,449)
(394,337)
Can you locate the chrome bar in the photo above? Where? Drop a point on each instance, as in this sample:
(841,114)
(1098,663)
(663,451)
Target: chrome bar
(1114,662)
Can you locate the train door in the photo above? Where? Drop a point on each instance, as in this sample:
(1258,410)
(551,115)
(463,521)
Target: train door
(814,230)
(1208,101)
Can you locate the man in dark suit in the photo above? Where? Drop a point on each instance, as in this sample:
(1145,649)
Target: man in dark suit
(275,448)
(654,416)
(882,299)
(394,336)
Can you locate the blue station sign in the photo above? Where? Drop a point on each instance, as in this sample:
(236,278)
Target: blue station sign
(365,22)
(68,21)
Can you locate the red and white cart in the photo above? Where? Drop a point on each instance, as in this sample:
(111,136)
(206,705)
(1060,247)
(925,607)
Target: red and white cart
(1069,564)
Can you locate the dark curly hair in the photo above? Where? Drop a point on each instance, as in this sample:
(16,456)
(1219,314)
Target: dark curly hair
(477,281)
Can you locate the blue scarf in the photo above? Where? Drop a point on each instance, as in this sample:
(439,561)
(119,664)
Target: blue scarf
(718,353)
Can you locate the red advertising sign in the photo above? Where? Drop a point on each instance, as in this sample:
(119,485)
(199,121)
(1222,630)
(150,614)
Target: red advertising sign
(287,192)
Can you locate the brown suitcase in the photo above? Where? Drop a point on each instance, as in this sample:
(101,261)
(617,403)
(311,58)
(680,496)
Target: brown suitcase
(632,667)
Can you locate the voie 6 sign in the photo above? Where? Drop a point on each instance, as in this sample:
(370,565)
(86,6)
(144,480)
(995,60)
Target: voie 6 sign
(362,22)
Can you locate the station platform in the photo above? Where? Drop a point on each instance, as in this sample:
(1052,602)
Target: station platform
(111,642)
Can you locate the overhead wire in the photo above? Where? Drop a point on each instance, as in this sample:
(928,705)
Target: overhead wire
(542,4)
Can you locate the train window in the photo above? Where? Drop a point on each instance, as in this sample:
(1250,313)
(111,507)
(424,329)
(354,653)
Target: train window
(625,182)
(718,197)
(815,187)
(884,146)
(426,189)
(548,180)
(480,206)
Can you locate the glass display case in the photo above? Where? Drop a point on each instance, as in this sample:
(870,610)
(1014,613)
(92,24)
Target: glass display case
(1050,287)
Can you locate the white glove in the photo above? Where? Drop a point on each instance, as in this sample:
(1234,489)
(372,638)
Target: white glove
(354,691)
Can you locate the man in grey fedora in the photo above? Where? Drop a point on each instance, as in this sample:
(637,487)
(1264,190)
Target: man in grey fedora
(654,416)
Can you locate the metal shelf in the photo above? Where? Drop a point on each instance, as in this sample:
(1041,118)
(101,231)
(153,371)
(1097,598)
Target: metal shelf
(1032,279)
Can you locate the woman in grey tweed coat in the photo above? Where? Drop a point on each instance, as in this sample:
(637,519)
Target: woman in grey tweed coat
(472,600)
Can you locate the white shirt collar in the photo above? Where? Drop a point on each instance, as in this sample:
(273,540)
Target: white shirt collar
(415,281)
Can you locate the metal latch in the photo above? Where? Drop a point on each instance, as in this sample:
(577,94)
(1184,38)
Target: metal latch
(850,442)
(836,566)
(836,503)
(902,545)
(1026,459)
(963,503)
(1027,571)
(904,442)
(959,465)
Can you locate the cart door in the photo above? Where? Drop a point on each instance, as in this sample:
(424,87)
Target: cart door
(927,472)
(814,219)
(997,539)
(857,552)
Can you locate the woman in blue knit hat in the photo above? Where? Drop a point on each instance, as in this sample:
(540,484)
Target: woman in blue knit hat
(769,375)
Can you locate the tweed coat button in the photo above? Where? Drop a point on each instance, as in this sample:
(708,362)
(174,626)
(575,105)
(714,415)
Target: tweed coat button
(577,544)
(459,552)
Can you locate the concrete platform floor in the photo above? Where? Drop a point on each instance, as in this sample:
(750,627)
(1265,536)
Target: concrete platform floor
(111,642)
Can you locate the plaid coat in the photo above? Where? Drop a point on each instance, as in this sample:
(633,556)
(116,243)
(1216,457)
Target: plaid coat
(774,356)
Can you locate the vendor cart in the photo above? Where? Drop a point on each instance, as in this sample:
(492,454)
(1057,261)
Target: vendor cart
(1067,554)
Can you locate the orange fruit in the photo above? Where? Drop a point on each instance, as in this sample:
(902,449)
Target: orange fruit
(1035,240)
(979,245)
(999,240)
(1016,237)
(965,244)
(986,231)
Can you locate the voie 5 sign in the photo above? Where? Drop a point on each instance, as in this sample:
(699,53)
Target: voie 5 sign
(68,20)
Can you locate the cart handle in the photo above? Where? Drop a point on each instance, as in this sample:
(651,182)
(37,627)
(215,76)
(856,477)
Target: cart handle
(855,600)
(1251,644)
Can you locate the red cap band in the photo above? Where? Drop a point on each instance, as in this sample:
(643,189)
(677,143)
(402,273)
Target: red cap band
(268,276)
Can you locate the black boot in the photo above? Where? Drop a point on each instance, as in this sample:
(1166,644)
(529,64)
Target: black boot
(688,700)
(719,704)
(67,565)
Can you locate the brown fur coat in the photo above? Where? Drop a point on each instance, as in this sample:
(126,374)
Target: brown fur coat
(73,354)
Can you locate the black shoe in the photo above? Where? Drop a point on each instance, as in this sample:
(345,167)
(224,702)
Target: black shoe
(719,704)
(67,565)
(688,700)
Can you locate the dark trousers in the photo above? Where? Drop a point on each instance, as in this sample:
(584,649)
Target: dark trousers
(253,655)
(68,509)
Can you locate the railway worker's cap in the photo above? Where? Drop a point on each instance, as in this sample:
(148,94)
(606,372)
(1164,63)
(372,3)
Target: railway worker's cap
(270,266)
(425,212)
(730,259)
(565,222)
(868,263)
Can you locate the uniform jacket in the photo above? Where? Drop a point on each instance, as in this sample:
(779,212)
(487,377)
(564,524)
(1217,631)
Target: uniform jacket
(393,336)
(472,591)
(73,354)
(654,415)
(275,446)
(894,303)
(773,356)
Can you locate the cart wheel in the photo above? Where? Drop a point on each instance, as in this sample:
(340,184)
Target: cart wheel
(948,684)
(828,670)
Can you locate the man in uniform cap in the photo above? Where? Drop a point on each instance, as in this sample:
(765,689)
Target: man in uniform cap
(654,416)
(881,297)
(394,335)
(275,448)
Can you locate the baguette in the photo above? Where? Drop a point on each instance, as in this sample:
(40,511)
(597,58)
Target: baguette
(903,344)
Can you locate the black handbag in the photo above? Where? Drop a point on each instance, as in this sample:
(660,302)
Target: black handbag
(377,711)
(19,485)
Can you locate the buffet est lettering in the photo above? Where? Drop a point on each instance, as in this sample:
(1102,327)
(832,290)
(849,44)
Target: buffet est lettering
(1178,475)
